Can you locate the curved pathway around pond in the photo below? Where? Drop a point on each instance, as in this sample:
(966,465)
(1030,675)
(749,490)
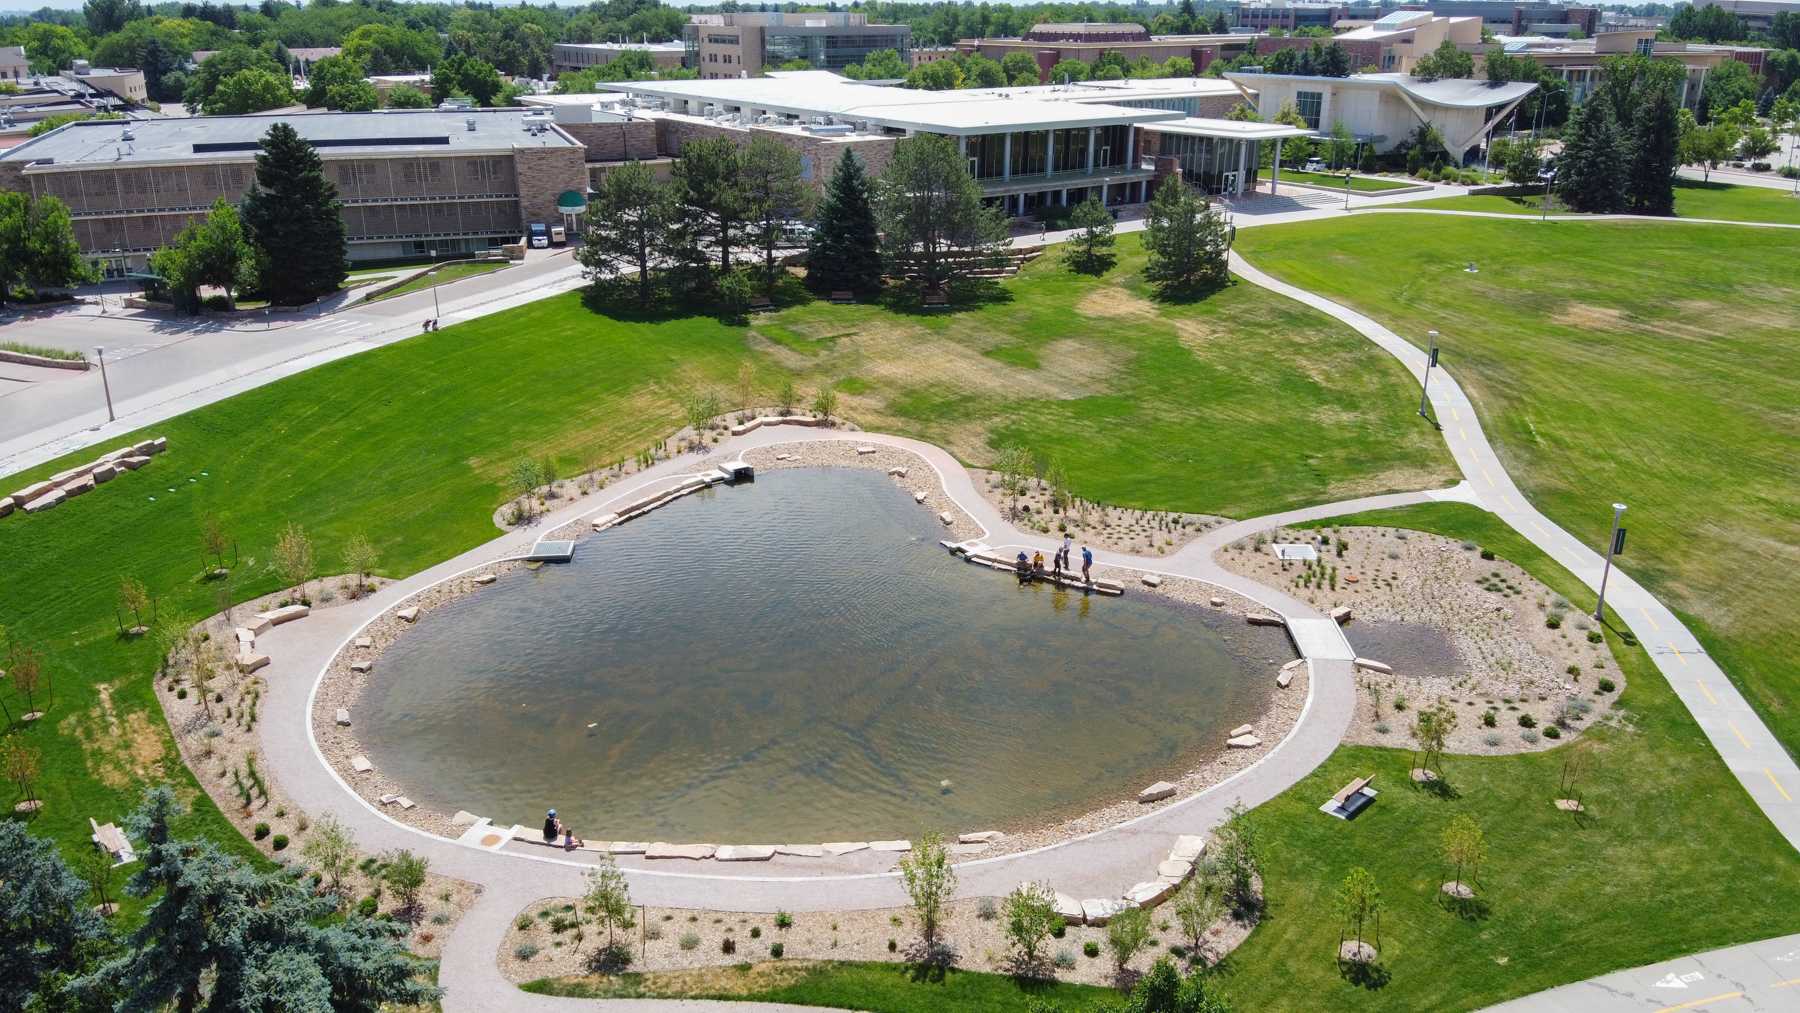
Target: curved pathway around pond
(1101,864)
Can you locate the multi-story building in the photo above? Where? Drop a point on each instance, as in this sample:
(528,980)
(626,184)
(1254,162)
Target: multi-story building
(1287,15)
(1578,61)
(410,181)
(1050,44)
(743,45)
(566,57)
(1755,13)
(1384,109)
(14,67)
(1394,43)
(1026,147)
(1517,17)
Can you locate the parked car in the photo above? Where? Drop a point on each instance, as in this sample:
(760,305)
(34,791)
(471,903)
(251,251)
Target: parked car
(796,233)
(539,237)
(1315,165)
(558,236)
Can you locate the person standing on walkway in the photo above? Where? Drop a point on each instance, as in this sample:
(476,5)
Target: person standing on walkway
(1087,563)
(1066,557)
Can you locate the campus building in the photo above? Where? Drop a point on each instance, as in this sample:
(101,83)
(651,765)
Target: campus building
(744,45)
(1517,17)
(411,181)
(14,67)
(1385,109)
(1050,43)
(1026,147)
(1578,61)
(567,57)
(1393,43)
(1754,13)
(1287,15)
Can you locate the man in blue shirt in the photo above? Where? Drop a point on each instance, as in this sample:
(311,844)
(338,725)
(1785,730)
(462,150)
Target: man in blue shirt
(1087,561)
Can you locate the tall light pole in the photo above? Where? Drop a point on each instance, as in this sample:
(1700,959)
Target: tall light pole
(435,312)
(1425,384)
(105,384)
(1613,548)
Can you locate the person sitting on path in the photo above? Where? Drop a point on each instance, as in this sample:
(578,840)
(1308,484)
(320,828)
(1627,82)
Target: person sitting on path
(1037,563)
(552,827)
(570,841)
(1087,563)
(1022,567)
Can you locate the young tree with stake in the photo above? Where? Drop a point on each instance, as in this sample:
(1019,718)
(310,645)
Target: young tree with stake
(1465,848)
(1358,901)
(930,884)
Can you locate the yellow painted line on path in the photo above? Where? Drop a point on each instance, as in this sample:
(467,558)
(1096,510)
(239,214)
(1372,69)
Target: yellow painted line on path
(1709,697)
(1788,798)
(1683,659)
(1740,735)
(1701,1002)
(1650,619)
(1790,983)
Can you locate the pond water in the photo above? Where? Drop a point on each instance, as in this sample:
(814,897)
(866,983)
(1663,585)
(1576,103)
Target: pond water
(797,659)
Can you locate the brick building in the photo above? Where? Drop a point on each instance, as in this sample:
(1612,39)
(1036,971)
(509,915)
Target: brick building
(1050,44)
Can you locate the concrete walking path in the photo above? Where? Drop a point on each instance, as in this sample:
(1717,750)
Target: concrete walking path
(1749,749)
(1760,977)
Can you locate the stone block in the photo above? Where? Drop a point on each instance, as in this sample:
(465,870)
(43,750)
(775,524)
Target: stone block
(365,642)
(1241,730)
(1157,792)
(464,818)
(158,445)
(1371,665)
(1341,614)
(244,636)
(835,848)
(361,765)
(691,852)
(133,462)
(77,486)
(981,837)
(1152,580)
(890,846)
(486,578)
(144,447)
(628,847)
(1296,663)
(33,491)
(1243,742)
(864,451)
(405,803)
(1173,868)
(285,614)
(6,505)
(1188,848)
(1149,894)
(409,613)
(745,852)
(361,666)
(946,518)
(1216,602)
(1264,619)
(800,850)
(257,625)
(1100,910)
(1069,908)
(104,473)
(897,472)
(343,717)
(919,497)
(1284,679)
(965,850)
(250,661)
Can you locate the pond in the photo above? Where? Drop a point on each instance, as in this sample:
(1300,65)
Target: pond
(797,659)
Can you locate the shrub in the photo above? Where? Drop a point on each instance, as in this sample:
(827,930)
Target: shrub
(181,694)
(1552,732)
(1491,718)
(1487,553)
(1399,701)
(525,951)
(1060,930)
(1064,959)
(367,907)
(776,950)
(726,945)
(893,945)
(1090,949)
(1490,739)
(652,932)
(986,909)
(783,920)
(756,932)
(1595,637)
(1606,685)
(1530,737)
(1574,670)
(1527,721)
(1554,620)
(523,923)
(261,831)
(1381,728)
(280,842)
(690,940)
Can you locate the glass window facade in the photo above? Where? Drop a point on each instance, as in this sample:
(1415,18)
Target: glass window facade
(831,51)
(1209,162)
(1029,153)
(987,155)
(1071,150)
(1309,103)
(1112,146)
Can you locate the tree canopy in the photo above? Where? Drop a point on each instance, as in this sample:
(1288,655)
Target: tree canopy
(294,218)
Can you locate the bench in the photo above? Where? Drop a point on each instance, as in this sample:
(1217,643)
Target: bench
(937,299)
(1353,798)
(843,296)
(758,303)
(110,839)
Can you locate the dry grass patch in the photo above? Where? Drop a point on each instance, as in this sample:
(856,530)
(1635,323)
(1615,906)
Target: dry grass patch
(1113,302)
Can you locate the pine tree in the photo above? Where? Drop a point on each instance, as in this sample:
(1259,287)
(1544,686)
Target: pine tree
(45,928)
(933,222)
(1655,154)
(628,225)
(1591,171)
(295,220)
(845,254)
(1185,238)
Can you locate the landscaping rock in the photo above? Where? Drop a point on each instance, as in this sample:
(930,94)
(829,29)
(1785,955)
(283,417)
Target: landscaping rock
(1152,580)
(1149,894)
(1284,679)
(691,852)
(897,472)
(1241,730)
(361,666)
(257,625)
(1243,742)
(134,462)
(1174,868)
(485,579)
(628,847)
(800,850)
(361,764)
(864,451)
(844,847)
(285,614)
(1099,911)
(919,497)
(1374,666)
(6,505)
(892,846)
(1296,663)
(1156,792)
(1216,602)
(463,819)
(343,717)
(745,852)
(1263,619)
(1341,614)
(946,518)
(76,487)
(104,473)
(244,636)
(981,837)
(410,613)
(1069,908)
(365,642)
(249,661)
(1188,848)
(33,491)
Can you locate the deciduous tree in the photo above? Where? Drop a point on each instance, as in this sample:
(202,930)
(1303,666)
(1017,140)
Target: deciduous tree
(331,852)
(1358,901)
(211,251)
(1030,913)
(930,884)
(404,873)
(608,898)
(1126,935)
(1465,847)
(294,556)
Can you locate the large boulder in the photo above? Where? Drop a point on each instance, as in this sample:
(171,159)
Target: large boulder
(1100,910)
(1150,893)
(1156,792)
(78,486)
(47,501)
(744,852)
(1188,848)
(6,505)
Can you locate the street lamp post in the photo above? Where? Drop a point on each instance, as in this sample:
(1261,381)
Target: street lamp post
(1613,548)
(1431,358)
(105,384)
(435,312)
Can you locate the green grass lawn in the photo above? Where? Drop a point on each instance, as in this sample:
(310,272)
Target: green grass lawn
(1648,364)
(1693,199)
(1234,404)
(888,988)
(441,276)
(1358,184)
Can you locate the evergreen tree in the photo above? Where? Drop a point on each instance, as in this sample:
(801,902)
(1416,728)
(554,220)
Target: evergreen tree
(772,193)
(222,935)
(845,254)
(933,223)
(1090,251)
(46,928)
(295,220)
(1655,153)
(1186,240)
(709,175)
(628,225)
(1590,175)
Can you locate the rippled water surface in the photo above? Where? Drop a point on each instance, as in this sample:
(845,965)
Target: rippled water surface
(797,659)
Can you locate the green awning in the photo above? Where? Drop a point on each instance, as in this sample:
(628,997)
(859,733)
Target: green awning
(571,202)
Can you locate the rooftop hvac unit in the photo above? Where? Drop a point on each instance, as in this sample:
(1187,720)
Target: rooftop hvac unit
(469,123)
